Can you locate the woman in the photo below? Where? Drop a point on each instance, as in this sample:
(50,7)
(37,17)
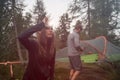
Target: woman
(41,52)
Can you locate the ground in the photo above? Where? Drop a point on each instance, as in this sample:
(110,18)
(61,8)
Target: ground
(90,72)
(91,69)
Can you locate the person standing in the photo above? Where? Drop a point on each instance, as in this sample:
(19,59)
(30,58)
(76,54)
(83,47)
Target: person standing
(74,50)
(41,52)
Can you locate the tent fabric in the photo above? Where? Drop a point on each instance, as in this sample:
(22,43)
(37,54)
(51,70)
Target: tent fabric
(98,45)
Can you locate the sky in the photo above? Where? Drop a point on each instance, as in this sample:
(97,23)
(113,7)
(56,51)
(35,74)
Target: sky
(54,8)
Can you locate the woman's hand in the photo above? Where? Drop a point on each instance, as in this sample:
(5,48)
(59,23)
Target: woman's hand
(46,20)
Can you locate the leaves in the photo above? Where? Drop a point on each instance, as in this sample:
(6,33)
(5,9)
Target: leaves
(39,11)
(103,20)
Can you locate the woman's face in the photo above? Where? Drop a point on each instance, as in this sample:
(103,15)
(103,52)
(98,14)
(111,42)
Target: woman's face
(49,32)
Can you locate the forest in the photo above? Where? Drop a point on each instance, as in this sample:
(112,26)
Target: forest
(98,17)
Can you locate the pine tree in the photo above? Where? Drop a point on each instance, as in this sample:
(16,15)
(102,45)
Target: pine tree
(39,11)
(63,28)
(102,17)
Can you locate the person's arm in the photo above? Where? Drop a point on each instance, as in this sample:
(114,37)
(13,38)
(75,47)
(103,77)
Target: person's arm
(52,64)
(77,43)
(24,37)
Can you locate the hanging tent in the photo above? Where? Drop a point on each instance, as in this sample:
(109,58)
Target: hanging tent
(99,45)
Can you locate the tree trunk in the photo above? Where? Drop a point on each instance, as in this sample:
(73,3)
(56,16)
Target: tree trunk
(16,34)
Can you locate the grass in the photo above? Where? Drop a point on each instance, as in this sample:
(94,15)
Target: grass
(85,58)
(89,58)
(92,58)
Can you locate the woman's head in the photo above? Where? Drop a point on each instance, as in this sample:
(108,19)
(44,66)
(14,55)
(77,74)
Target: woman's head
(49,32)
(45,41)
(45,34)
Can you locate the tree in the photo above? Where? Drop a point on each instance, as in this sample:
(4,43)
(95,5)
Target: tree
(5,28)
(39,11)
(80,9)
(7,35)
(63,28)
(20,23)
(102,17)
(10,14)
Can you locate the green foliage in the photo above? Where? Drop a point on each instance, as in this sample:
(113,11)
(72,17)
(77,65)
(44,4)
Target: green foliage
(103,17)
(11,13)
(8,49)
(78,9)
(11,17)
(103,13)
(5,15)
(63,29)
(39,10)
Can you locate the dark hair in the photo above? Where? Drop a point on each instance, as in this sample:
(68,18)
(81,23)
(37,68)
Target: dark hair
(42,42)
(78,25)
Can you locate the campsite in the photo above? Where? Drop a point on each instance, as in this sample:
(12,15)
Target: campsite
(93,69)
(59,39)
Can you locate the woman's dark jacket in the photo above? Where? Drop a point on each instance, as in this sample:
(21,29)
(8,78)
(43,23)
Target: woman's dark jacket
(36,69)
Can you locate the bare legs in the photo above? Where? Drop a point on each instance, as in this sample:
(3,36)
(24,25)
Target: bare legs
(73,74)
(76,66)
